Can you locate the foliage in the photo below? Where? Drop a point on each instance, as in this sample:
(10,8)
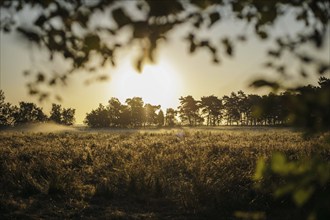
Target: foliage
(305,180)
(160,118)
(176,174)
(55,113)
(150,115)
(137,112)
(304,107)
(62,116)
(97,118)
(189,111)
(116,112)
(170,119)
(211,106)
(6,118)
(157,19)
(232,108)
(134,114)
(28,112)
(68,28)
(68,116)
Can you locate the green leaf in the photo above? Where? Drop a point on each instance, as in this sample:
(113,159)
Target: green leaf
(284,190)
(279,164)
(324,173)
(260,169)
(301,196)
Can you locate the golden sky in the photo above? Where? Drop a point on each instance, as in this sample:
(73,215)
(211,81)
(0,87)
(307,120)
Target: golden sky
(175,73)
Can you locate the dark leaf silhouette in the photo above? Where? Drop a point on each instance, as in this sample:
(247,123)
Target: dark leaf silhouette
(214,18)
(157,20)
(120,17)
(262,83)
(323,68)
(228,46)
(92,42)
(40,77)
(29,34)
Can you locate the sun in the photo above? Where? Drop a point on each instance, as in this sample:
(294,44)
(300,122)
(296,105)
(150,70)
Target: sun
(158,84)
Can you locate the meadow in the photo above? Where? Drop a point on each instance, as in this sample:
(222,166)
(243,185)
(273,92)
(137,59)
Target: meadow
(146,174)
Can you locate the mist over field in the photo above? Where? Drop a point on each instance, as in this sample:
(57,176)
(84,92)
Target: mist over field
(45,127)
(51,127)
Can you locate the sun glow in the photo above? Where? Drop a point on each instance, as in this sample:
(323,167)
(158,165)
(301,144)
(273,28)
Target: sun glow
(157,84)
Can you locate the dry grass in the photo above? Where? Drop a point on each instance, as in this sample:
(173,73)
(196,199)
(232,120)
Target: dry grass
(172,174)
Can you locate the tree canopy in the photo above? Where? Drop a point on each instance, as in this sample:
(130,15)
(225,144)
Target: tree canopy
(62,116)
(305,107)
(134,113)
(28,112)
(6,109)
(68,28)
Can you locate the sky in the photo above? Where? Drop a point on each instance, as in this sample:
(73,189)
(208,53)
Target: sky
(175,73)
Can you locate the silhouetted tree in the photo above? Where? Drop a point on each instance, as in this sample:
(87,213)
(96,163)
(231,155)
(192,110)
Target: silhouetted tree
(211,106)
(238,108)
(68,116)
(134,114)
(160,118)
(231,104)
(115,109)
(170,117)
(150,115)
(135,106)
(28,112)
(242,107)
(6,111)
(310,106)
(125,116)
(98,118)
(189,110)
(253,107)
(56,113)
(62,115)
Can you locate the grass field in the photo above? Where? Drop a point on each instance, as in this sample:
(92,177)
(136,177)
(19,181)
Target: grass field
(147,174)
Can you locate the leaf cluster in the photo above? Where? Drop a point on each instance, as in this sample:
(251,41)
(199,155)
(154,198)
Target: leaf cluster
(67,28)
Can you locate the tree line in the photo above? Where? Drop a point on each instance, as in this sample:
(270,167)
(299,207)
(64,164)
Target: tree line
(27,112)
(306,106)
(290,107)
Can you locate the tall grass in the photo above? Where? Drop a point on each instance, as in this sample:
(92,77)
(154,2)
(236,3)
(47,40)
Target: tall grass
(179,174)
